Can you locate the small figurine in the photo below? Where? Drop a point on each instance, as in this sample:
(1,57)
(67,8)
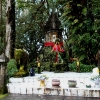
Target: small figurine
(38,65)
(31,72)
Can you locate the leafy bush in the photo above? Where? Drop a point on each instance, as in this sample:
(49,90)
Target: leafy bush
(11,67)
(83,67)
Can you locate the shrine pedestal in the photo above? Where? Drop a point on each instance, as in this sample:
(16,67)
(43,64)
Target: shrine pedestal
(30,85)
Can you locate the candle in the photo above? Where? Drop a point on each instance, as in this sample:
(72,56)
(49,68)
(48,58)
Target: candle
(78,63)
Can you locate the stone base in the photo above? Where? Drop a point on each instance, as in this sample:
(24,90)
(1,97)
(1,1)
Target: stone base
(30,85)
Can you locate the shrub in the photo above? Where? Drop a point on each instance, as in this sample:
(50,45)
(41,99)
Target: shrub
(83,67)
(11,67)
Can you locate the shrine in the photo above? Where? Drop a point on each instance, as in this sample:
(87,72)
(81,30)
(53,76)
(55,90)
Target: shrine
(53,45)
(69,83)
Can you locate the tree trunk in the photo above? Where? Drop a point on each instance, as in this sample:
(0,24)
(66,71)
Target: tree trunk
(0,19)
(0,11)
(10,29)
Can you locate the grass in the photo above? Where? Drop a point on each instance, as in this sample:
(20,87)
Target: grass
(3,95)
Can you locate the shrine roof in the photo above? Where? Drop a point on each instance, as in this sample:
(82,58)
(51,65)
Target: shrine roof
(53,22)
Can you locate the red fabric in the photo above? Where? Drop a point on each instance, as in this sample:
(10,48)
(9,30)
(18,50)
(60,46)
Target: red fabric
(51,44)
(57,48)
(61,43)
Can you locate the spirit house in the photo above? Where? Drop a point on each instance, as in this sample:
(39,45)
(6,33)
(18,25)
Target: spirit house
(52,30)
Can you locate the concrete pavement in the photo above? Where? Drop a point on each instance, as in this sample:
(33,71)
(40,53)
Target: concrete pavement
(45,97)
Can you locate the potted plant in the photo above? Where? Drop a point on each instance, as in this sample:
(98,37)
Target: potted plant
(42,79)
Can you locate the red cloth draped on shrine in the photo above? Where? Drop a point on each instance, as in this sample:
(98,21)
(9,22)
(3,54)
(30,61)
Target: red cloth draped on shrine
(49,44)
(52,44)
(57,48)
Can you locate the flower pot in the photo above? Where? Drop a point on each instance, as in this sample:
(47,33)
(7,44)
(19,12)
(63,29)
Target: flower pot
(72,83)
(42,83)
(55,82)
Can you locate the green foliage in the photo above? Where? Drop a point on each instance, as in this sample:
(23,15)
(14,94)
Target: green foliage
(42,77)
(83,29)
(83,67)
(60,67)
(17,67)
(3,95)
(31,17)
(84,11)
(32,64)
(11,67)
(18,54)
(81,22)
(21,57)
(45,66)
(31,26)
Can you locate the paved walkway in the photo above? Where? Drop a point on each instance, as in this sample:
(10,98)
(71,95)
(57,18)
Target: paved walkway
(45,97)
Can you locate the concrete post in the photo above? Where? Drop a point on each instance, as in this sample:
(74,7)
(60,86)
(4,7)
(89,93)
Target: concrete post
(3,63)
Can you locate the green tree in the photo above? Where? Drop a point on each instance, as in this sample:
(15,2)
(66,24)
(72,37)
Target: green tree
(79,19)
(10,29)
(31,17)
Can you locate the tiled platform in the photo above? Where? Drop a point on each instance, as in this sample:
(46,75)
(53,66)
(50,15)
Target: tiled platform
(30,85)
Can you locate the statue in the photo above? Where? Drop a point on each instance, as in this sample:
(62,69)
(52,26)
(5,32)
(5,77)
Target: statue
(38,65)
